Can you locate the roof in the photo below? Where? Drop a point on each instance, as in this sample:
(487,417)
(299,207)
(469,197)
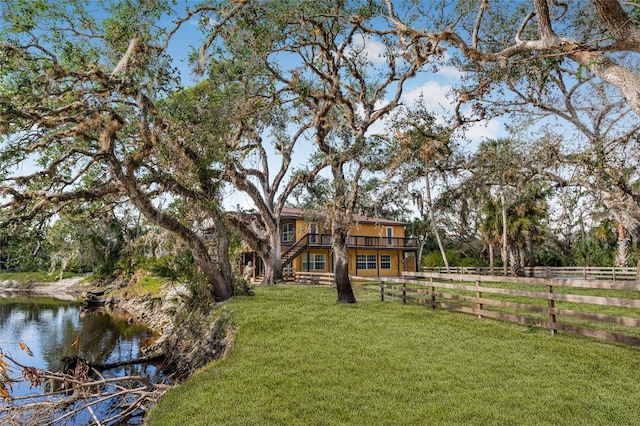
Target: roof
(296,213)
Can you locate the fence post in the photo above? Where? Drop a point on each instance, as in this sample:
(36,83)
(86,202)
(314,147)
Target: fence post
(551,304)
(381,291)
(404,293)
(433,294)
(614,273)
(478,297)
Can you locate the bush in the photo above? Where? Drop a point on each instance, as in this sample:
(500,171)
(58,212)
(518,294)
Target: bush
(242,287)
(455,258)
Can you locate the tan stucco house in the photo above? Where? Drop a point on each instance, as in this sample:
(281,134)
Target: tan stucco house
(377,247)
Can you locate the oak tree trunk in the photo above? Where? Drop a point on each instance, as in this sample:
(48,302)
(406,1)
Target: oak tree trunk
(220,285)
(272,267)
(272,257)
(341,264)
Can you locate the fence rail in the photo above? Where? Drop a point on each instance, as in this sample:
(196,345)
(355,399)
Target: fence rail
(327,278)
(597,308)
(321,278)
(585,272)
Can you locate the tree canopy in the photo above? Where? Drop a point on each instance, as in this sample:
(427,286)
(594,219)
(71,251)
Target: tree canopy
(95,117)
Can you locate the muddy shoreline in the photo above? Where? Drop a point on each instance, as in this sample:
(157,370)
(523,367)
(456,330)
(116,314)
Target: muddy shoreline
(188,342)
(66,289)
(75,289)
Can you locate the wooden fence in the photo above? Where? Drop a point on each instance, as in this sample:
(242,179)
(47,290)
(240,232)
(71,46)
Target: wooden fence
(327,278)
(597,308)
(321,278)
(585,272)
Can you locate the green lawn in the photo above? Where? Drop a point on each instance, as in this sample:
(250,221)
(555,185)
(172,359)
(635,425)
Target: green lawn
(33,277)
(302,359)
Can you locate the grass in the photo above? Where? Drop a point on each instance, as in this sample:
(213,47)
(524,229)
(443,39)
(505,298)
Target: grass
(302,359)
(145,284)
(541,316)
(36,301)
(33,277)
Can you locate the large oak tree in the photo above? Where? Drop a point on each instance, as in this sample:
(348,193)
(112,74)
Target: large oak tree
(342,70)
(81,119)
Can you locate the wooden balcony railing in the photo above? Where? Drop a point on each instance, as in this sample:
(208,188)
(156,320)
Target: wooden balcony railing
(359,241)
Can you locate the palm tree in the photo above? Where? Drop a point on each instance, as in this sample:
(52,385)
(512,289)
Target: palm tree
(525,221)
(499,164)
(491,228)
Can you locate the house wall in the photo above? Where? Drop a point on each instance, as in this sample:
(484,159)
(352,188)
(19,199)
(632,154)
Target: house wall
(361,229)
(375,230)
(367,229)
(298,263)
(396,258)
(302,227)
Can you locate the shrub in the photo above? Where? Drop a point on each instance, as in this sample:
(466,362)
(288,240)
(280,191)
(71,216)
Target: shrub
(242,287)
(455,258)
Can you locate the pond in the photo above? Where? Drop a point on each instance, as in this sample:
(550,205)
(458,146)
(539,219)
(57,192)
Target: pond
(53,329)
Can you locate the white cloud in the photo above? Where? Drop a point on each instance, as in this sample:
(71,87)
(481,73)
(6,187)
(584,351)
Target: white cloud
(450,72)
(379,127)
(374,50)
(483,130)
(437,97)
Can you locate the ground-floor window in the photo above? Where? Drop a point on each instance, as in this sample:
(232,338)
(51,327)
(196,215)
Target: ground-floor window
(314,262)
(385,261)
(366,261)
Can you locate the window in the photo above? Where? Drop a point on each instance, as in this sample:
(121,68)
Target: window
(314,262)
(385,261)
(389,236)
(288,232)
(366,261)
(313,230)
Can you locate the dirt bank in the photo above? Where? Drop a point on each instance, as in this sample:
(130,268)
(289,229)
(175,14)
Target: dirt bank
(188,340)
(66,289)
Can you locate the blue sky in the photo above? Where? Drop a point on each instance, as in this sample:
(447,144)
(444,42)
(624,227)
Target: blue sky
(435,86)
(436,89)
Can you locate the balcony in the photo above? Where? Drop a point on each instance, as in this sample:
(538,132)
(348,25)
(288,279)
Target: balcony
(356,241)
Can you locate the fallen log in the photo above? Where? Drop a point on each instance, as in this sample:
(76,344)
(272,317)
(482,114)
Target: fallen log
(77,393)
(71,362)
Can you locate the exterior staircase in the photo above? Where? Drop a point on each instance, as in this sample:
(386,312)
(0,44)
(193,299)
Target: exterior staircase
(294,251)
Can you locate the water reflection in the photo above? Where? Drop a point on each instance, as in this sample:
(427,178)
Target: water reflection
(50,327)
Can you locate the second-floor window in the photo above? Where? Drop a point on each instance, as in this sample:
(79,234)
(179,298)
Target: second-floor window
(288,232)
(313,230)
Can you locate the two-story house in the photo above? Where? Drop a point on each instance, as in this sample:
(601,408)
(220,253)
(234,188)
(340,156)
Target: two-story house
(377,247)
